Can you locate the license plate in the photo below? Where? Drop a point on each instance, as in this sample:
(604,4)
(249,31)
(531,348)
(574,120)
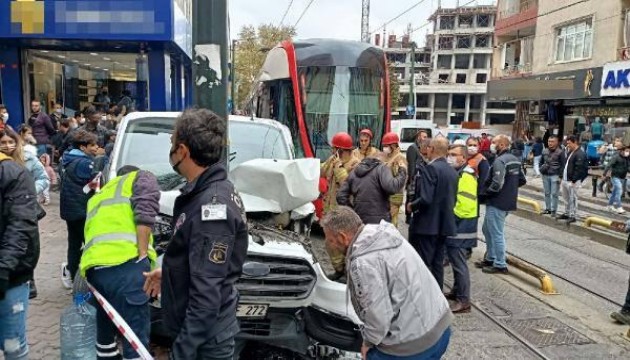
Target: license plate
(252,310)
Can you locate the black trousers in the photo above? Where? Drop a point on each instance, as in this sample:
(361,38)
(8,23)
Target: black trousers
(431,250)
(76,238)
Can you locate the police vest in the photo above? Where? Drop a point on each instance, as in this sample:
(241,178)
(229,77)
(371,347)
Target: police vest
(466,206)
(110,228)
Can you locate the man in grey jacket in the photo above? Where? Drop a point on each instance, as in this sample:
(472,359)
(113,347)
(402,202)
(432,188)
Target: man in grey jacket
(403,311)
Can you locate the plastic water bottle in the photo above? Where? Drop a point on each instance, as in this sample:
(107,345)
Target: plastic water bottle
(78,329)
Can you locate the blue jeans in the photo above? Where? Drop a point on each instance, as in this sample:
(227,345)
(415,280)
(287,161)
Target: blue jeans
(122,287)
(551,185)
(435,352)
(13,313)
(493,226)
(617,190)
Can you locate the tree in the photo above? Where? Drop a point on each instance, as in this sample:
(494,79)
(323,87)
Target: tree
(252,48)
(394,87)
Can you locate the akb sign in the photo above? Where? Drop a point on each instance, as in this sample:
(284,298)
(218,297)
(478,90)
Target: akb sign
(616,79)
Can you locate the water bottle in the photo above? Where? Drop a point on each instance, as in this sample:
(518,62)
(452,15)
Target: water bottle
(78,329)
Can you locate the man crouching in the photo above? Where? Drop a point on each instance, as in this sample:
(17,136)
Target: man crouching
(403,310)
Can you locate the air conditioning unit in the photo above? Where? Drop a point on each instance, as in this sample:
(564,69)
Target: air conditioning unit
(534,108)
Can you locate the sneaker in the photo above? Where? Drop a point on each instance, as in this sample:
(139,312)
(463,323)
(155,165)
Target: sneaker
(546,212)
(482,264)
(571,220)
(563,217)
(620,210)
(66,278)
(495,270)
(622,317)
(611,208)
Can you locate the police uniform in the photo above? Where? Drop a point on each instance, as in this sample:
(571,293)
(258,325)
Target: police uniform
(395,161)
(202,263)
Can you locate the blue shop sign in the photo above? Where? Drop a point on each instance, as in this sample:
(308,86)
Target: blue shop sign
(616,80)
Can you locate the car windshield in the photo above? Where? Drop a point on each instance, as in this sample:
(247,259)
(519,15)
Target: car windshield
(147,142)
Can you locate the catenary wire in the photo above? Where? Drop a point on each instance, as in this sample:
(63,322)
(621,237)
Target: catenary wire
(286,12)
(397,17)
(303,12)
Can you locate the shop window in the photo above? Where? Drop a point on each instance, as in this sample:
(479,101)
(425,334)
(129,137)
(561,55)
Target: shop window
(482,78)
(460,78)
(462,61)
(444,61)
(464,42)
(443,78)
(480,61)
(459,101)
(441,101)
(445,43)
(574,41)
(447,22)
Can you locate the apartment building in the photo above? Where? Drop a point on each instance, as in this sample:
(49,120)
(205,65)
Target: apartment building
(562,58)
(451,87)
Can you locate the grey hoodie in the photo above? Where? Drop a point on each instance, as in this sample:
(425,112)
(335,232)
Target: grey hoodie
(403,310)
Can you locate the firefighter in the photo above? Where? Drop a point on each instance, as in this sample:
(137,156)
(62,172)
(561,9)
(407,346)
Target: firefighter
(365,145)
(395,160)
(336,170)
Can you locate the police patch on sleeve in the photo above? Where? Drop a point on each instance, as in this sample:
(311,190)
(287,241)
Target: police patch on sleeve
(218,253)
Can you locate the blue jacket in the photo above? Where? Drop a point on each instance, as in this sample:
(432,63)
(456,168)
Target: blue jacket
(466,237)
(77,171)
(37,171)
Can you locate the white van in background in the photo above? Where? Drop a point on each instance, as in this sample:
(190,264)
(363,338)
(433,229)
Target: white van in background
(407,130)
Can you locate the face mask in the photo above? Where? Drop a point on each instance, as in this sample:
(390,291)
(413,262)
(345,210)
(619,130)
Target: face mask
(626,154)
(473,150)
(493,148)
(7,149)
(176,165)
(58,111)
(82,121)
(5,116)
(387,150)
(451,161)
(104,117)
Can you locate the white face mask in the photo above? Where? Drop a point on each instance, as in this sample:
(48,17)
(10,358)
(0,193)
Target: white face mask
(82,121)
(493,148)
(626,154)
(387,150)
(58,111)
(473,150)
(451,161)
(5,116)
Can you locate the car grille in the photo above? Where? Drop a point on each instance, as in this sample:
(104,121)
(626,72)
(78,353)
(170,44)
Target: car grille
(288,278)
(256,327)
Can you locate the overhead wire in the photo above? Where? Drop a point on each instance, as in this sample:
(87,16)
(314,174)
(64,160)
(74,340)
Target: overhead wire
(397,16)
(303,12)
(286,12)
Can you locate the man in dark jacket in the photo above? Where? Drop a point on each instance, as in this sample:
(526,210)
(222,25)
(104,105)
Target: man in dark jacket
(205,256)
(575,170)
(368,188)
(415,157)
(501,193)
(19,253)
(433,208)
(42,126)
(550,168)
(618,169)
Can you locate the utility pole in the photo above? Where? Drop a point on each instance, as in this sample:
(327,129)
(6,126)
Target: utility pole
(412,92)
(233,76)
(210,57)
(365,21)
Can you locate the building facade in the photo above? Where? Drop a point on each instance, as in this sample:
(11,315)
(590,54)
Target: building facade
(63,51)
(451,89)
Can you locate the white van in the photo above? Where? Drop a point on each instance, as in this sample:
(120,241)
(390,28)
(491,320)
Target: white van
(407,130)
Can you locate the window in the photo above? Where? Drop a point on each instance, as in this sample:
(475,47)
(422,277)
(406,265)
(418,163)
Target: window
(483,20)
(500,119)
(459,101)
(475,102)
(422,100)
(482,78)
(464,42)
(480,61)
(447,22)
(462,61)
(465,21)
(443,79)
(445,43)
(482,41)
(441,101)
(457,119)
(444,61)
(460,78)
(573,42)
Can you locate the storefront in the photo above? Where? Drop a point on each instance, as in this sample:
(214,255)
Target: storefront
(69,51)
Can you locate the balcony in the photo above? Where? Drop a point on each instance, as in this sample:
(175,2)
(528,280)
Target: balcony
(512,71)
(515,16)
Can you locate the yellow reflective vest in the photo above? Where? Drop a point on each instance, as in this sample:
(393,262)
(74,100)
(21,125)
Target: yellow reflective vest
(466,205)
(110,227)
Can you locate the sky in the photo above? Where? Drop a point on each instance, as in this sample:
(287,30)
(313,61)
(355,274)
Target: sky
(338,18)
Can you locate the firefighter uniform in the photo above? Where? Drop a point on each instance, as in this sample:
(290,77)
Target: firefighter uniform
(336,171)
(395,160)
(360,154)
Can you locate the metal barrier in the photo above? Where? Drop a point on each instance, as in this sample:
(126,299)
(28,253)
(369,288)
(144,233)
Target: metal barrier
(531,202)
(546,285)
(594,220)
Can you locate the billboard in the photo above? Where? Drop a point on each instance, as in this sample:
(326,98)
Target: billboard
(615,80)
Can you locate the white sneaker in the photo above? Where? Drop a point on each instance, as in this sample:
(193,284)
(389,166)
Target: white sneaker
(611,208)
(620,210)
(66,278)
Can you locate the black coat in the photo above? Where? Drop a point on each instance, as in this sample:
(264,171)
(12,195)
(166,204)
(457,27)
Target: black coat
(576,165)
(368,188)
(202,263)
(434,201)
(19,234)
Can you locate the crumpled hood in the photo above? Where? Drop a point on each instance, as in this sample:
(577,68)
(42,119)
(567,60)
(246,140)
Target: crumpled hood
(375,237)
(72,155)
(367,165)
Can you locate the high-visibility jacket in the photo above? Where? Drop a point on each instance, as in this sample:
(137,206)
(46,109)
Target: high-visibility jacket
(110,227)
(466,205)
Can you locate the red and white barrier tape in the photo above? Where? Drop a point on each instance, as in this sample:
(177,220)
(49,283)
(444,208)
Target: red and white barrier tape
(121,325)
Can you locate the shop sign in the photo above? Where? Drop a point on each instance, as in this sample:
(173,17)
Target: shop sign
(616,80)
(604,111)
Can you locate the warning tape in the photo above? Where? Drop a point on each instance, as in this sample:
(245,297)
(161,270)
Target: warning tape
(121,325)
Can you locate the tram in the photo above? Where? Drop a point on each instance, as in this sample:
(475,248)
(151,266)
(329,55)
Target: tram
(319,87)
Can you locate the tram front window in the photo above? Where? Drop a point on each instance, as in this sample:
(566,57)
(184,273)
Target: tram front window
(338,99)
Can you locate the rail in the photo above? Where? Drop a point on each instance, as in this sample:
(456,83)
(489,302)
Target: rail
(531,202)
(546,285)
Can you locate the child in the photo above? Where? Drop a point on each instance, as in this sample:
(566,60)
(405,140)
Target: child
(45,160)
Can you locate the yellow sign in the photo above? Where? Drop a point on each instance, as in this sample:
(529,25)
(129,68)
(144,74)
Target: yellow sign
(29,14)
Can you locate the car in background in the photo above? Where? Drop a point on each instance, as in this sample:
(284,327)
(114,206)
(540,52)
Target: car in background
(407,130)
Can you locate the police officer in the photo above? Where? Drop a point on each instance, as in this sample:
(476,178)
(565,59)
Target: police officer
(365,148)
(205,256)
(395,160)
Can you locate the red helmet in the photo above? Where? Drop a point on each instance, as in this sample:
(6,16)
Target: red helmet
(367,132)
(390,138)
(343,141)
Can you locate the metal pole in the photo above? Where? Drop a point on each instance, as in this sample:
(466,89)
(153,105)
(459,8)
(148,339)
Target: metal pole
(233,73)
(412,92)
(210,58)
